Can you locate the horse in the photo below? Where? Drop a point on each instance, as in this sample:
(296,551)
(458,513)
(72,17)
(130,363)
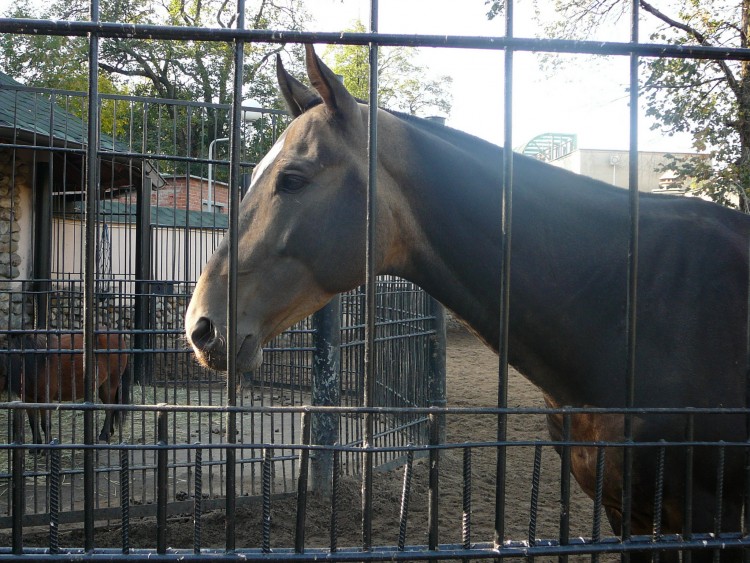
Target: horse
(437,223)
(44,370)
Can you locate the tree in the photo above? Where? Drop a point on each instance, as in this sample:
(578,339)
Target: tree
(709,99)
(403,85)
(174,70)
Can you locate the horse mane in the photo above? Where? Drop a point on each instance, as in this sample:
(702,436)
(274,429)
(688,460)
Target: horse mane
(454,136)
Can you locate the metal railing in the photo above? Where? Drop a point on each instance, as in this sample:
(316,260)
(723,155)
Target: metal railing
(431,549)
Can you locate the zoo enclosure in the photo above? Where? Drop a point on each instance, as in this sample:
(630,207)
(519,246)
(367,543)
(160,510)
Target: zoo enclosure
(156,223)
(563,545)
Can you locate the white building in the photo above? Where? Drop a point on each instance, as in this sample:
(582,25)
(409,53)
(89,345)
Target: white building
(611,166)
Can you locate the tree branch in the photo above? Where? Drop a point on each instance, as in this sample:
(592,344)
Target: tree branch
(699,37)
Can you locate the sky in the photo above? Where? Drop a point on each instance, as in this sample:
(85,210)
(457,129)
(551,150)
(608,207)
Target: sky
(588,98)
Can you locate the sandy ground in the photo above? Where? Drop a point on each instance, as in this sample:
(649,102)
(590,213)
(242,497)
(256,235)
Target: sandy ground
(472,382)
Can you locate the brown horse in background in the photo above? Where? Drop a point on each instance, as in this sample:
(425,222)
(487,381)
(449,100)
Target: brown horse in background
(50,369)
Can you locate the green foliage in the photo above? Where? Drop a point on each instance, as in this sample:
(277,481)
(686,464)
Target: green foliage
(403,85)
(171,70)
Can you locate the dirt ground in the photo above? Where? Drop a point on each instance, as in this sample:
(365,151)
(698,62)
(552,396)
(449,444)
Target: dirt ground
(471,382)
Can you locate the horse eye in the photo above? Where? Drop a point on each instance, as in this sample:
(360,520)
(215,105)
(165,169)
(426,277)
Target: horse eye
(291,183)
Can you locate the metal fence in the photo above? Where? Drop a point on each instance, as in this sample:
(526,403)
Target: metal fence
(169,376)
(156,222)
(300,448)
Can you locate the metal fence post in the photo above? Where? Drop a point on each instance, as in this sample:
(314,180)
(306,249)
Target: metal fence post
(141,338)
(436,369)
(326,391)
(18,498)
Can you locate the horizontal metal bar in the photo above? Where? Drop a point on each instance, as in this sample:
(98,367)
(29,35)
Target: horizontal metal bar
(577,546)
(375,449)
(677,411)
(143,31)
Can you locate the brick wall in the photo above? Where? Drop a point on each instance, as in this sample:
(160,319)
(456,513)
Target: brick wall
(178,189)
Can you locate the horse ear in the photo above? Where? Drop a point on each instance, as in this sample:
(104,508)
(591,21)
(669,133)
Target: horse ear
(335,96)
(299,98)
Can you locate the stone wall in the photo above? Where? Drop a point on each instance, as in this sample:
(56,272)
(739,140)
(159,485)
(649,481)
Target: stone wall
(15,176)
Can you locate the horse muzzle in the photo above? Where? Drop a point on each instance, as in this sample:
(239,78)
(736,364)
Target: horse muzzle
(209,345)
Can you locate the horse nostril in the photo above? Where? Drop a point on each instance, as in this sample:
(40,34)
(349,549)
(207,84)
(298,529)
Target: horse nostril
(203,333)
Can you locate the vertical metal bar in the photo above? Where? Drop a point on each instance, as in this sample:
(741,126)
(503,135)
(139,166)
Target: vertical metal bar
(234,179)
(326,390)
(631,309)
(687,511)
(266,493)
(125,498)
(466,517)
(335,492)
(719,492)
(506,222)
(304,466)
(162,459)
(659,494)
(436,360)
(42,265)
(746,495)
(565,485)
(535,480)
(54,498)
(143,243)
(596,526)
(434,488)
(405,495)
(198,502)
(19,482)
(89,272)
(369,351)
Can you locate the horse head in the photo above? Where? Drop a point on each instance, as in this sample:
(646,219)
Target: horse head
(301,229)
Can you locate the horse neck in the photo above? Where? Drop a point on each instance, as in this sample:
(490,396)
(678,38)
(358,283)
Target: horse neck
(453,191)
(454,235)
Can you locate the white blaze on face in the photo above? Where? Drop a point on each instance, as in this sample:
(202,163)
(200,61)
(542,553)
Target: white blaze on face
(267,160)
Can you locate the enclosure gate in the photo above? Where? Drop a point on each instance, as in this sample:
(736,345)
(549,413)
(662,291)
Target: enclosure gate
(303,449)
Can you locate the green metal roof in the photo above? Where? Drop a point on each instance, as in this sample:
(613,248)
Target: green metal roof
(31,114)
(117,212)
